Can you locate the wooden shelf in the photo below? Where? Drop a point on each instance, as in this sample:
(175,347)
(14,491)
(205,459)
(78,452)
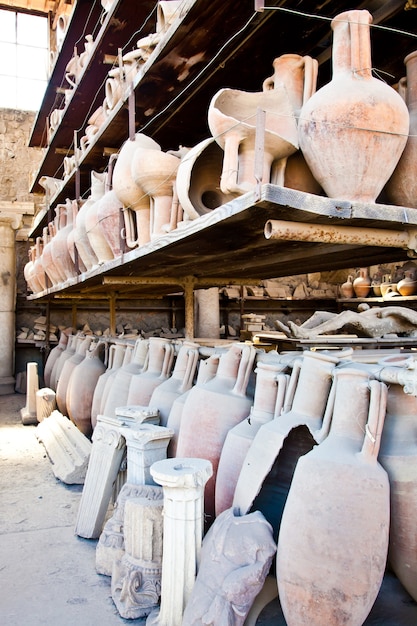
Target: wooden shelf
(83,20)
(228,245)
(211,46)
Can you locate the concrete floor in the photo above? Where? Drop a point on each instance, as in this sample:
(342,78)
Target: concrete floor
(47,574)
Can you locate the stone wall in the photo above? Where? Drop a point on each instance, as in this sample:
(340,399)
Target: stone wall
(18,162)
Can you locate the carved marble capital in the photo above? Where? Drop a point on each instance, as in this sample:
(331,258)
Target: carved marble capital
(136,578)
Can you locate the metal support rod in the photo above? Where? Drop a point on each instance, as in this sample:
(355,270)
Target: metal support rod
(259,151)
(324,233)
(132,113)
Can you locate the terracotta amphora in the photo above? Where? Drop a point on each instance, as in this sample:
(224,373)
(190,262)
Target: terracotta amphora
(69,351)
(212,409)
(178,383)
(333,540)
(155,172)
(52,270)
(270,389)
(81,386)
(198,180)
(133,197)
(72,249)
(167,13)
(265,478)
(346,289)
(398,456)
(362,283)
(402,186)
(110,218)
(232,119)
(38,271)
(298,76)
(85,251)
(116,353)
(54,354)
(407,286)
(60,251)
(206,370)
(159,368)
(46,252)
(353,130)
(118,386)
(67,370)
(28,272)
(107,210)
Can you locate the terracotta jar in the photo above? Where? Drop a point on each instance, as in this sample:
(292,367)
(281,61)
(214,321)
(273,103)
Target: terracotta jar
(110,218)
(207,369)
(116,353)
(54,354)
(178,383)
(72,249)
(85,251)
(232,119)
(333,540)
(38,271)
(407,286)
(353,130)
(133,197)
(265,478)
(398,456)
(270,389)
(212,409)
(362,283)
(93,226)
(67,370)
(59,363)
(155,172)
(114,88)
(118,387)
(297,75)
(60,252)
(402,186)
(81,385)
(347,290)
(198,180)
(28,272)
(52,270)
(159,367)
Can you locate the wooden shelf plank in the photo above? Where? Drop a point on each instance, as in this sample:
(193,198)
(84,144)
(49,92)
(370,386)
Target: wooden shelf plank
(229,243)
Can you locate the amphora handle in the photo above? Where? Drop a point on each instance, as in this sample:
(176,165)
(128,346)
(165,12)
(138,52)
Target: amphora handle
(376,416)
(282,385)
(292,385)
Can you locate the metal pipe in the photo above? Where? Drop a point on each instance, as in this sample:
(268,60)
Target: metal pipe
(326,233)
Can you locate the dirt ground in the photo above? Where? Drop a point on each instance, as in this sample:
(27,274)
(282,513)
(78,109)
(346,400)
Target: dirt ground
(47,573)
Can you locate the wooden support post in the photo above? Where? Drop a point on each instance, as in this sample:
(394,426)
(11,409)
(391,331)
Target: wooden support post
(112,311)
(189,308)
(74,316)
(47,338)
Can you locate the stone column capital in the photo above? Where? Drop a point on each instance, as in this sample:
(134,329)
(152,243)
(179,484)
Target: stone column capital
(183,473)
(14,220)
